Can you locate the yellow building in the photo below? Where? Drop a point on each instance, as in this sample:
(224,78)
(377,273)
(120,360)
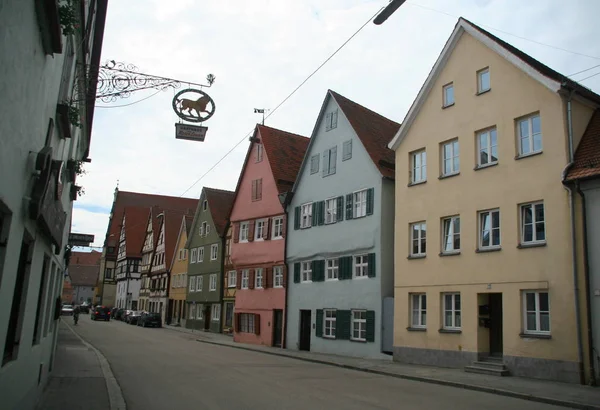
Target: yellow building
(178,275)
(484,260)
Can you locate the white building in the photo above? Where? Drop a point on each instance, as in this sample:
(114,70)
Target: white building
(47,97)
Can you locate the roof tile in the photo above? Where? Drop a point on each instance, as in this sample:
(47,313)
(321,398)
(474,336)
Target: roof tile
(219,203)
(587,157)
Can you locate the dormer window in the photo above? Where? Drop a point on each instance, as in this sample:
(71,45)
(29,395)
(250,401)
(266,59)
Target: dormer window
(331,120)
(259,152)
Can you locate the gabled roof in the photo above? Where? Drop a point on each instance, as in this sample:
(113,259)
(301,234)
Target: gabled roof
(587,157)
(185,225)
(85,258)
(219,204)
(188,224)
(135,230)
(172,223)
(540,72)
(84,275)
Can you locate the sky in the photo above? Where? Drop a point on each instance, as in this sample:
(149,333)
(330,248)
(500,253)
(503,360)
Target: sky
(260,51)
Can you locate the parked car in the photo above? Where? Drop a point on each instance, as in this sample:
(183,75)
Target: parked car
(67,310)
(150,319)
(126,315)
(113,312)
(84,308)
(134,317)
(101,313)
(119,314)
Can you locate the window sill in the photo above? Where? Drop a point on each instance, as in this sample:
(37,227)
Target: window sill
(452,331)
(531,154)
(245,241)
(358,340)
(483,92)
(531,245)
(416,183)
(484,250)
(449,253)
(360,277)
(449,175)
(329,337)
(277,238)
(535,336)
(447,106)
(416,256)
(480,167)
(416,329)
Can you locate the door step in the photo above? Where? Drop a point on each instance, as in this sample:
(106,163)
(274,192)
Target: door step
(489,365)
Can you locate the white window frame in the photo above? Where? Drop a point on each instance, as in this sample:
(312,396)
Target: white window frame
(194,255)
(259,152)
(201,254)
(538,313)
(306,272)
(449,236)
(244,229)
(360,324)
(489,213)
(360,268)
(192,311)
(245,278)
(258,278)
(329,323)
(199,283)
(331,210)
(314,164)
(480,73)
(192,284)
(534,222)
(453,159)
(259,228)
(214,251)
(531,137)
(422,235)
(359,203)
(306,215)
(231,279)
(489,146)
(421,166)
(453,310)
(278,277)
(216,312)
(445,102)
(421,313)
(332,269)
(277,231)
(213,283)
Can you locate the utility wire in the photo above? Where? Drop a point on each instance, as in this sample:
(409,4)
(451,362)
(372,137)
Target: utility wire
(589,76)
(285,99)
(583,71)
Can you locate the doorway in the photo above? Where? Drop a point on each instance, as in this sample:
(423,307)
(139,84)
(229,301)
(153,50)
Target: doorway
(305,330)
(277,327)
(207,317)
(495,303)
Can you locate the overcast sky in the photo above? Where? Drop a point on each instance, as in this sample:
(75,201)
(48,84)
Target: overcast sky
(261,50)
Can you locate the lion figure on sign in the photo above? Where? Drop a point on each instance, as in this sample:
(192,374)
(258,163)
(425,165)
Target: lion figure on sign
(199,105)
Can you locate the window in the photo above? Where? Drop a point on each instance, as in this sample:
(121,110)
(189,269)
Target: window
(306,220)
(258,278)
(452,311)
(537,312)
(199,283)
(483,80)
(231,279)
(192,283)
(204,205)
(451,158)
(192,311)
(108,273)
(194,254)
(419,310)
(245,278)
(419,167)
(278,277)
(216,312)
(259,152)
(329,323)
(530,135)
(331,120)
(201,254)
(204,229)
(213,282)
(347,150)
(247,322)
(487,144)
(418,232)
(360,204)
(448,91)
(332,269)
(314,164)
(329,161)
(306,272)
(244,231)
(277,227)
(214,251)
(331,211)
(361,265)
(451,232)
(533,226)
(359,325)
(489,229)
(259,230)
(257,189)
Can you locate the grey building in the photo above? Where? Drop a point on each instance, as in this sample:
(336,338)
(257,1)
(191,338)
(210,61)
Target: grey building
(340,241)
(47,97)
(84,268)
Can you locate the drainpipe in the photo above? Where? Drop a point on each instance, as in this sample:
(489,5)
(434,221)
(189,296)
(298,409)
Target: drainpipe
(285,203)
(573,240)
(588,302)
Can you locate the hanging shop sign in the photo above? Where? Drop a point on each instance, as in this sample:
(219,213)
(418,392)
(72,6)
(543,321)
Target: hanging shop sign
(80,239)
(190,132)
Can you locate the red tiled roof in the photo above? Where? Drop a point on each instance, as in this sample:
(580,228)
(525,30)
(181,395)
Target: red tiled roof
(85,258)
(375,132)
(587,157)
(285,152)
(125,198)
(219,203)
(188,224)
(84,275)
(172,221)
(136,218)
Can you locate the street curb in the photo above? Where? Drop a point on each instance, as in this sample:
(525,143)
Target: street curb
(499,392)
(115,395)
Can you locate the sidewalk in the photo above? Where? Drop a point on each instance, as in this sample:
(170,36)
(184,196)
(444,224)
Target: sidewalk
(79,379)
(562,394)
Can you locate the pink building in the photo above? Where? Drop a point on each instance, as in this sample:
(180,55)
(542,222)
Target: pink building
(259,221)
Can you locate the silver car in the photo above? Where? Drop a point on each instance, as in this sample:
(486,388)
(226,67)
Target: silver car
(67,310)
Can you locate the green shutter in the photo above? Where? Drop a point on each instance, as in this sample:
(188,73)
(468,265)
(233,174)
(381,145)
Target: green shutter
(319,325)
(342,324)
(349,206)
(321,265)
(340,208)
(372,265)
(345,271)
(370,199)
(314,214)
(297,218)
(297,272)
(370,325)
(321,210)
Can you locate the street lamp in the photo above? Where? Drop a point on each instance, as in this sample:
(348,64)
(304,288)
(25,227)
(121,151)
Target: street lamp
(388,11)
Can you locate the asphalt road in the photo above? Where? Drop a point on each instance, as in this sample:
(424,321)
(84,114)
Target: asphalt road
(160,369)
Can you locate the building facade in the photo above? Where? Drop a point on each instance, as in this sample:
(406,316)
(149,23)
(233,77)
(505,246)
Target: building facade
(337,287)
(128,271)
(485,267)
(40,149)
(258,248)
(229,285)
(178,276)
(84,268)
(206,245)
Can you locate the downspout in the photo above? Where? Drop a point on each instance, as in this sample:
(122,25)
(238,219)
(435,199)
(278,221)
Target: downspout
(285,204)
(588,302)
(573,240)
